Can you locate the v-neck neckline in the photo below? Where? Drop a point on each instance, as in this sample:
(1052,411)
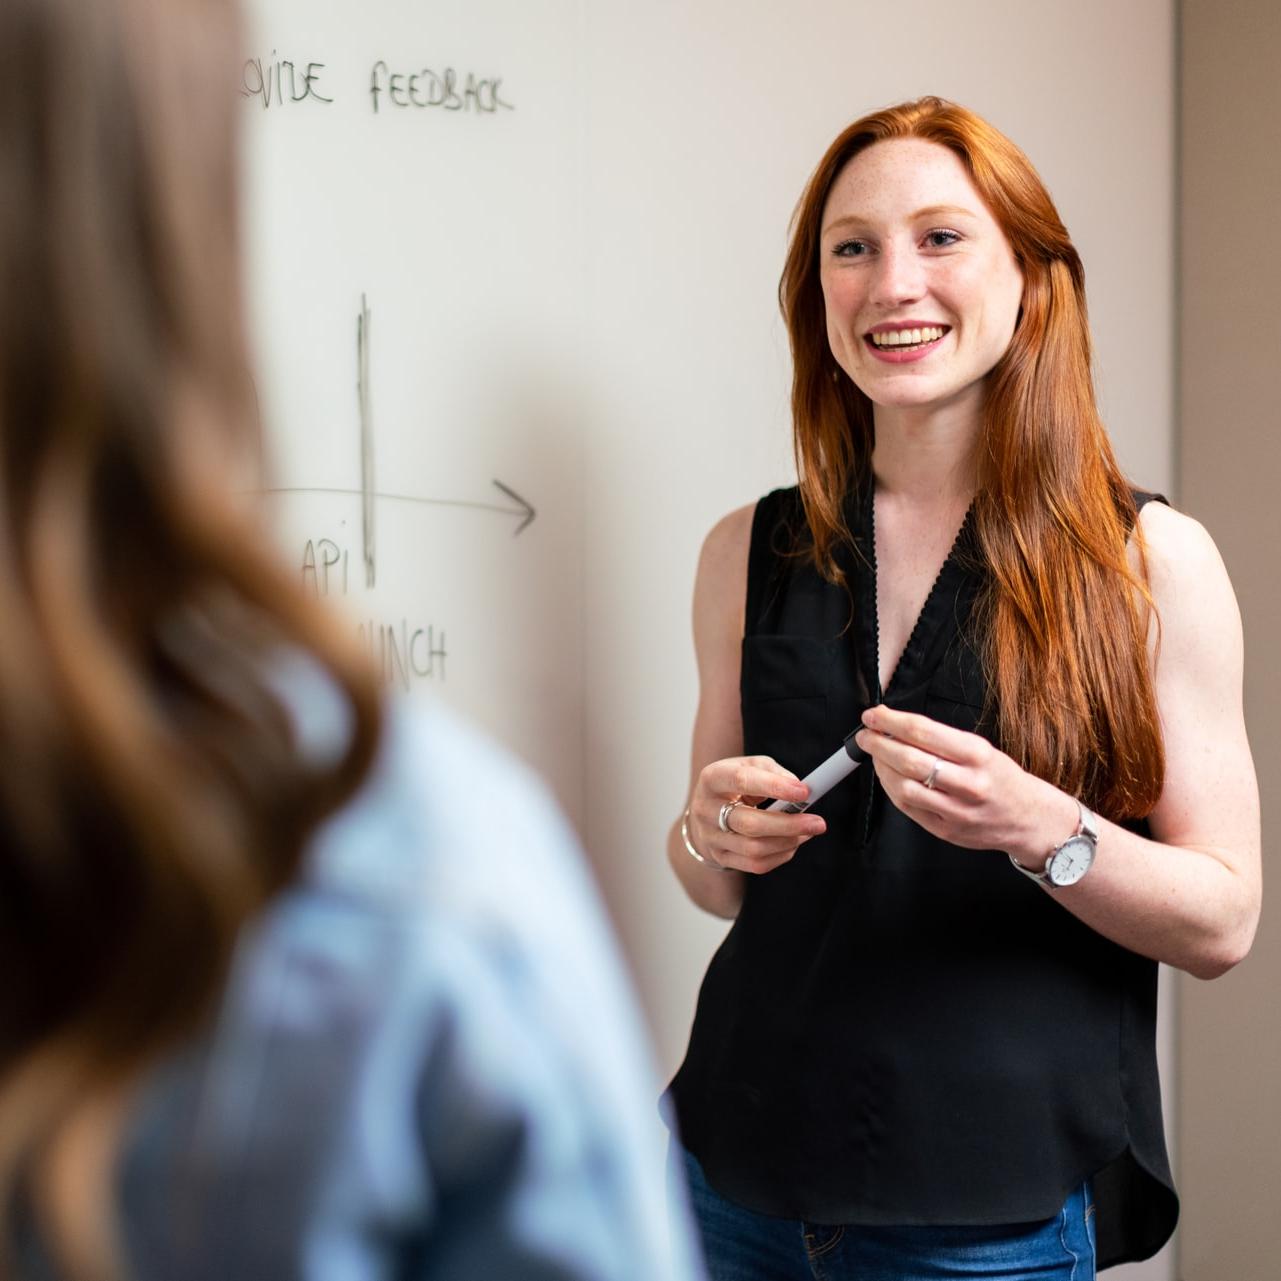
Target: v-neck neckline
(913,665)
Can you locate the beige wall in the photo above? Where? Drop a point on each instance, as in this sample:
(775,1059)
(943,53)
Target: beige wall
(1230,464)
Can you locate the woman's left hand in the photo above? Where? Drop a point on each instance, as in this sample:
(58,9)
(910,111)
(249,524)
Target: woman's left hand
(963,790)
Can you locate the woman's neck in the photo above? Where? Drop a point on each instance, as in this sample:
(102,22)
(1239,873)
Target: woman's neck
(926,456)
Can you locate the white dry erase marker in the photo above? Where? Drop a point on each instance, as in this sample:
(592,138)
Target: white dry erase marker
(842,763)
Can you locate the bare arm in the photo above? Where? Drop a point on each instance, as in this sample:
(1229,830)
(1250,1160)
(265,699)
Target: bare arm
(1190,896)
(718,770)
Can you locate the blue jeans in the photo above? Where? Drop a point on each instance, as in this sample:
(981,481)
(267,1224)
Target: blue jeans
(741,1245)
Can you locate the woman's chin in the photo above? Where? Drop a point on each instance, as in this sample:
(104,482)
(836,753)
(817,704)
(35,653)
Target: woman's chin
(920,395)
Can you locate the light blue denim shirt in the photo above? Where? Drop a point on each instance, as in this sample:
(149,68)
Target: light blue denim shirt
(428,1063)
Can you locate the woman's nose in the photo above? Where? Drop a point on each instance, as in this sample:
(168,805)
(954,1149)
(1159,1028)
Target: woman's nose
(899,277)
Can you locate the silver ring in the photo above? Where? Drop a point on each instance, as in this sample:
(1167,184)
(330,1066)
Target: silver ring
(930,778)
(726,810)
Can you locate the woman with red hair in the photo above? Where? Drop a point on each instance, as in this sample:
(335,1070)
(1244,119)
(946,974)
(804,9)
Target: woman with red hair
(927,1045)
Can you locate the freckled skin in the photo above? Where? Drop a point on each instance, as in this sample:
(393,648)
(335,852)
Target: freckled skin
(889,253)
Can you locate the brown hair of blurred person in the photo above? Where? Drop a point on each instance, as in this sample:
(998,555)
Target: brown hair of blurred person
(152,796)
(1065,652)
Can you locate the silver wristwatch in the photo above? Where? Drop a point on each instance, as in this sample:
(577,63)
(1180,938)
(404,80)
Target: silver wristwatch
(1068,862)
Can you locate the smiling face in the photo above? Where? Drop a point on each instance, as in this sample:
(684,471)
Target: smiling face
(920,285)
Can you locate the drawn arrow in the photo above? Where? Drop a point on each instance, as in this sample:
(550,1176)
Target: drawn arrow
(367,493)
(530,513)
(525,510)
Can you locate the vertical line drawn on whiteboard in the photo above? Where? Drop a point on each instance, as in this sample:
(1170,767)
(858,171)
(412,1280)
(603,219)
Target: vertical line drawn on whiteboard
(368,492)
(366,440)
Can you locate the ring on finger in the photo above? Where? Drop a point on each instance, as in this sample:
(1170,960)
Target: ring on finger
(726,810)
(932,777)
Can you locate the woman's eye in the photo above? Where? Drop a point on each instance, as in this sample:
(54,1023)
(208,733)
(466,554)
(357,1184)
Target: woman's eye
(851,249)
(941,238)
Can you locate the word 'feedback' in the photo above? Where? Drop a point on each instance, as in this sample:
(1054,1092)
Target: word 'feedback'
(278,82)
(448,91)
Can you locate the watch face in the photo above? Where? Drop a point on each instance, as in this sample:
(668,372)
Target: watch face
(1071,861)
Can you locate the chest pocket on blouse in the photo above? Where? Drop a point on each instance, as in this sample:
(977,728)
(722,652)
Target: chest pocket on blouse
(786,681)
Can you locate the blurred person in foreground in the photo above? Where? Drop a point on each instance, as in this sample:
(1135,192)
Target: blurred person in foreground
(275,1004)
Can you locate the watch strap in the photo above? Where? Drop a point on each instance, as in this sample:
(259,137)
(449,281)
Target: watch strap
(1087,826)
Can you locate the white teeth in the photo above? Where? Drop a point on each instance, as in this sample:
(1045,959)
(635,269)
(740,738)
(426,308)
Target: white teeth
(907,337)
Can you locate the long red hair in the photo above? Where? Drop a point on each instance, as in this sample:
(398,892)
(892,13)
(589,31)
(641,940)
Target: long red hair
(1063,622)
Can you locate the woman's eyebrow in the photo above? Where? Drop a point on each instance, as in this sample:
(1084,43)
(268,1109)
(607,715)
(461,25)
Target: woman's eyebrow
(944,211)
(930,211)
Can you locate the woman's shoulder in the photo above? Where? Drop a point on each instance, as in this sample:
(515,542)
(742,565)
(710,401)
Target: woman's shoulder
(729,542)
(1200,620)
(728,539)
(1178,550)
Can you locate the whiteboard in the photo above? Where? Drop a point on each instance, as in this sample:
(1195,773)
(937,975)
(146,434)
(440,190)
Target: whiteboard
(574,296)
(411,202)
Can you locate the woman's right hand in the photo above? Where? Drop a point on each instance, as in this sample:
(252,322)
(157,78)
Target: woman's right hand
(758,840)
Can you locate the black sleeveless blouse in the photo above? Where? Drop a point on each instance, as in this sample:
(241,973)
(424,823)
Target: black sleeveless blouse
(897,1030)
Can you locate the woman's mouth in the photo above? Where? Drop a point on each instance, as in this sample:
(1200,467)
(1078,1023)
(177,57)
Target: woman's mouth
(898,345)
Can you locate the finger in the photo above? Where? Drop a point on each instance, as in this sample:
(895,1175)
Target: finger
(914,797)
(770,835)
(746,820)
(753,849)
(769,864)
(759,866)
(939,814)
(916,765)
(757,856)
(757,777)
(972,781)
(898,754)
(929,735)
